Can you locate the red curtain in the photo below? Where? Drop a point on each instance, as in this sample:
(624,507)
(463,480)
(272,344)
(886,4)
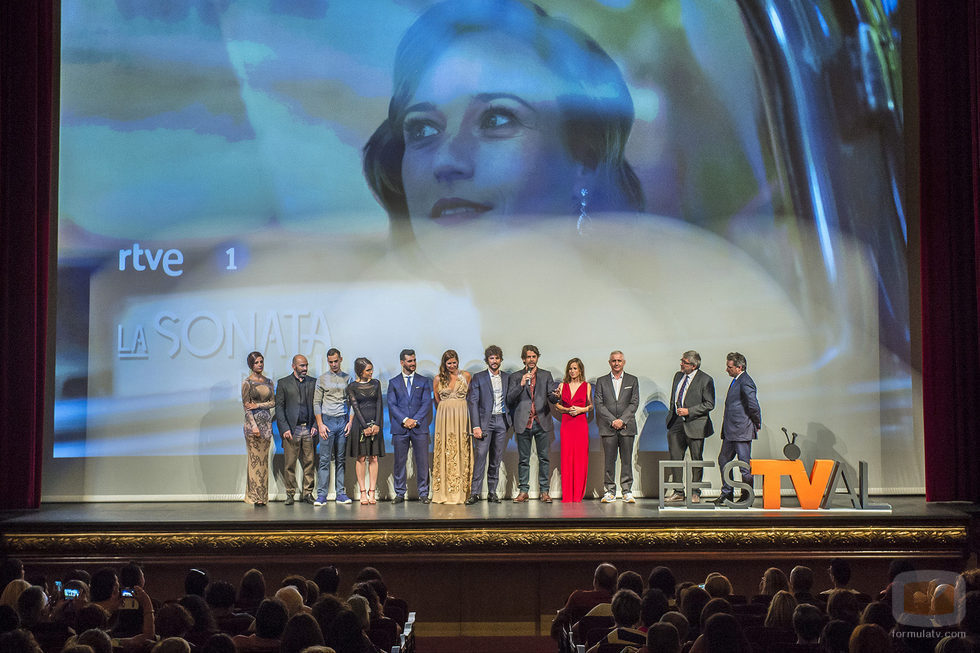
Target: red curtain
(949,68)
(950,215)
(26,51)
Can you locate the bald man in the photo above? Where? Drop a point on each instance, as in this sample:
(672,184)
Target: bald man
(297,425)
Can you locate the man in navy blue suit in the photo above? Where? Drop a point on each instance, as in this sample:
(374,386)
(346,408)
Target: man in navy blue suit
(410,414)
(742,421)
(487,401)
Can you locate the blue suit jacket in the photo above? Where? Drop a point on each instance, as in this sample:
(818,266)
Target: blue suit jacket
(480,399)
(417,404)
(743,417)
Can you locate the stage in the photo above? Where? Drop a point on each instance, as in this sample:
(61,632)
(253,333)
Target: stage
(524,558)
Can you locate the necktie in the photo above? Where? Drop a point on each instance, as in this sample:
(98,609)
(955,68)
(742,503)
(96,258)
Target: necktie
(408,382)
(680,395)
(533,413)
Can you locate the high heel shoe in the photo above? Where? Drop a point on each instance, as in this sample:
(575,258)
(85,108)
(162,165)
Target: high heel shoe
(364,497)
(371,498)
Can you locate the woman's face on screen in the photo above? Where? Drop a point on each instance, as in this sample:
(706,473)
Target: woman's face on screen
(482,135)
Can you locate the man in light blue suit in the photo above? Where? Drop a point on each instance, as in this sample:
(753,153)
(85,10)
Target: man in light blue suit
(487,402)
(410,414)
(742,421)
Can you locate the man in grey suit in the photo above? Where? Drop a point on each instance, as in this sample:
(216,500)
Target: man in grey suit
(487,401)
(297,425)
(743,419)
(527,396)
(617,396)
(692,396)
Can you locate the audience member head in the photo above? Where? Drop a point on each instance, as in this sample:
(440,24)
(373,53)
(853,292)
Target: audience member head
(366,574)
(200,613)
(79,574)
(171,645)
(679,622)
(630,580)
(693,600)
(971,580)
(173,620)
(104,586)
(780,613)
(843,605)
(715,606)
(251,591)
(11,569)
(270,619)
(723,634)
(869,638)
(662,637)
(12,592)
(380,589)
(970,624)
(290,598)
(220,595)
(801,579)
(626,608)
(19,641)
(77,648)
(653,605)
(840,572)
(807,623)
(196,581)
(9,619)
(954,645)
(835,636)
(359,606)
(325,610)
(327,579)
(772,581)
(219,643)
(94,616)
(31,605)
(301,631)
(717,585)
(345,633)
(131,575)
(374,601)
(879,612)
(604,578)
(297,581)
(312,592)
(97,639)
(663,579)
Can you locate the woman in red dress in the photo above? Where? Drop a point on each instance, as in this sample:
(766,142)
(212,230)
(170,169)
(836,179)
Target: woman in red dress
(574,403)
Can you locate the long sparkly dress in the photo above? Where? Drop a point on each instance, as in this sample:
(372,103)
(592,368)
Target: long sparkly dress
(452,463)
(574,444)
(263,395)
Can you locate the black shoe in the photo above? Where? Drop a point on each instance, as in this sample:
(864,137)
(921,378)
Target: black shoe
(309,499)
(493,498)
(475,498)
(424,499)
(720,501)
(398,499)
(289,500)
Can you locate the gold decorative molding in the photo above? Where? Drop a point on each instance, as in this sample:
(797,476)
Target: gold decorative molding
(498,540)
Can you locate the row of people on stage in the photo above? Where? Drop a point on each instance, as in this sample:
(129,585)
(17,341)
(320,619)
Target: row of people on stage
(473,414)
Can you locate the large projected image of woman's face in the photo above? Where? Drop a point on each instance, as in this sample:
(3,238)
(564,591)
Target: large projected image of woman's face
(482,135)
(499,109)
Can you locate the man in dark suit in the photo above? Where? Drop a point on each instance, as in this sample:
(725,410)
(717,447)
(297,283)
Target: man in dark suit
(743,419)
(617,396)
(410,414)
(297,425)
(527,396)
(487,401)
(692,396)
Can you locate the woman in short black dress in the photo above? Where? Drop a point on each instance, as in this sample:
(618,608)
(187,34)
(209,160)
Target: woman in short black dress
(366,440)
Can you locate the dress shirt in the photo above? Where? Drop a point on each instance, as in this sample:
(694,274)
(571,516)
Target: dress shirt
(617,384)
(329,396)
(498,393)
(679,399)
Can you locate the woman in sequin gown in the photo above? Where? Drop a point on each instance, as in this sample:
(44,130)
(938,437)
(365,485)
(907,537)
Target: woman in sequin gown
(258,400)
(452,464)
